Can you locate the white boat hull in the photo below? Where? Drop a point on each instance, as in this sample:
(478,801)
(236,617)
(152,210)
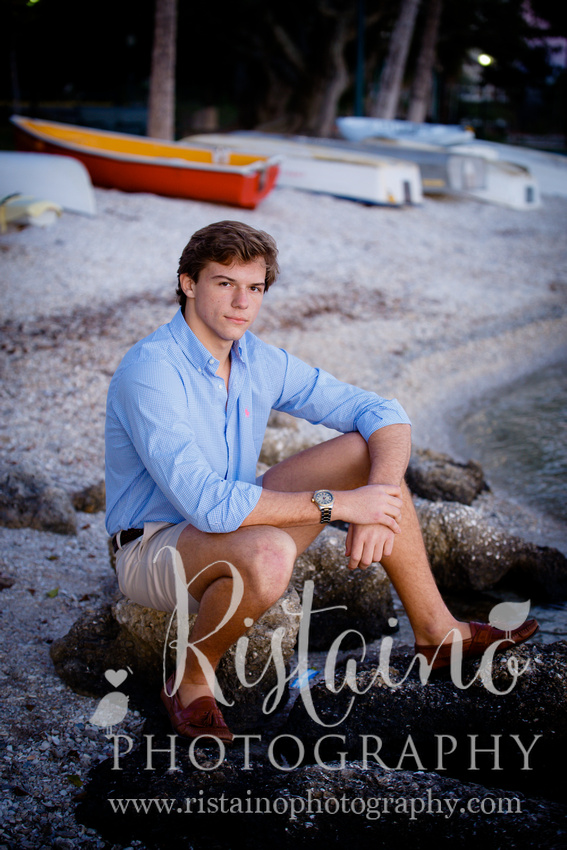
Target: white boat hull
(508,185)
(468,170)
(60,179)
(308,166)
(356,129)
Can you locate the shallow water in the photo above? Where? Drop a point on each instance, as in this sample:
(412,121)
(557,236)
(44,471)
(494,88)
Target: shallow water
(519,436)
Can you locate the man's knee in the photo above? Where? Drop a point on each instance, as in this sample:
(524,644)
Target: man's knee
(270,559)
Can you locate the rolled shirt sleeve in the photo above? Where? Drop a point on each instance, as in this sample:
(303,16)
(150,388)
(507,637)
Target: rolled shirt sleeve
(313,394)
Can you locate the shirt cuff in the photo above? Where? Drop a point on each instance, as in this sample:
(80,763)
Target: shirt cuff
(390,414)
(231,512)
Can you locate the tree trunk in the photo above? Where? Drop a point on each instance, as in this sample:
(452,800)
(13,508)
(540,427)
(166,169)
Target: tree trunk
(161,103)
(423,79)
(308,106)
(321,112)
(386,102)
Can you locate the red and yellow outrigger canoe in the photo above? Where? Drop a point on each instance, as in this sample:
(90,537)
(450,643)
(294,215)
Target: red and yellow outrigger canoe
(138,164)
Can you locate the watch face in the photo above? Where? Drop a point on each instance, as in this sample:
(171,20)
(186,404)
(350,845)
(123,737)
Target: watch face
(323,497)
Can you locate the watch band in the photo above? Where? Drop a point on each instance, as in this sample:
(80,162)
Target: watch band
(324,501)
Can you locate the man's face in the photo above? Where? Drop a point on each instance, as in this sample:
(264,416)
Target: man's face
(224,302)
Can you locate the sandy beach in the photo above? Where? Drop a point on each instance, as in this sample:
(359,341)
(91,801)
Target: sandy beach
(435,305)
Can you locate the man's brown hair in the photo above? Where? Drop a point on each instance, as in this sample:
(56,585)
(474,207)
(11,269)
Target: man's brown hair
(227,242)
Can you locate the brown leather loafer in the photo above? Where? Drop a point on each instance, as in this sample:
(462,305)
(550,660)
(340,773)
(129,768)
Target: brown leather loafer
(200,717)
(482,636)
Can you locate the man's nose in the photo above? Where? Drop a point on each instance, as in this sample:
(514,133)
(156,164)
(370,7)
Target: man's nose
(240,298)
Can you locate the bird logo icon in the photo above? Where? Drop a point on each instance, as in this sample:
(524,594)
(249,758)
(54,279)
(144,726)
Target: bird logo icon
(112,708)
(507,616)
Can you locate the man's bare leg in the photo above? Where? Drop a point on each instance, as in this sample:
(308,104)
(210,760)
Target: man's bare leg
(265,556)
(343,463)
(409,571)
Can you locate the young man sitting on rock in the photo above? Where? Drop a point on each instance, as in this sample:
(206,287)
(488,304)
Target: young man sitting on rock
(186,415)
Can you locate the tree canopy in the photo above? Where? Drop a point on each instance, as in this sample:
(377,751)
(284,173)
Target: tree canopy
(288,65)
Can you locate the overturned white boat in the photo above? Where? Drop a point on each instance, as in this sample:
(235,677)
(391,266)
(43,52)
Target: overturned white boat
(438,171)
(467,168)
(61,179)
(310,165)
(358,128)
(508,184)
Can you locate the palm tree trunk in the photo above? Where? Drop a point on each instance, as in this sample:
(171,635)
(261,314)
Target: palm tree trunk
(161,104)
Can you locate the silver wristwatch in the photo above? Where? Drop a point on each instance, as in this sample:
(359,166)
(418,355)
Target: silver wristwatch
(324,501)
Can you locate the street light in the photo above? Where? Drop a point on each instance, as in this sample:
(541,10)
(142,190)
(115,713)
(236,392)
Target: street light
(484,59)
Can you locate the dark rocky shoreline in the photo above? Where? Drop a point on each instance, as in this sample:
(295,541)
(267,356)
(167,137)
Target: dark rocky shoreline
(311,784)
(373,722)
(370,729)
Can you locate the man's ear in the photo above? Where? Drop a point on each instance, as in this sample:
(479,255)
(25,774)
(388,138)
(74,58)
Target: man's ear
(187,285)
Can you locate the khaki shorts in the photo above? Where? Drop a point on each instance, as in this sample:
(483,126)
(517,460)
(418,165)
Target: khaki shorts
(147,567)
(147,571)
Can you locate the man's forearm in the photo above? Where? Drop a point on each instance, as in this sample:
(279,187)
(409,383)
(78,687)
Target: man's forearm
(284,510)
(389,449)
(369,505)
(378,502)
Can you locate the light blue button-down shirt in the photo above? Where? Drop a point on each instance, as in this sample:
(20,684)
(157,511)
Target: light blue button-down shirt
(178,447)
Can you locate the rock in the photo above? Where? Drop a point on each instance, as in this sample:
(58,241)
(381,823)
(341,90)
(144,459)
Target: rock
(332,805)
(253,654)
(466,553)
(540,571)
(408,723)
(93,644)
(124,635)
(280,443)
(90,500)
(437,477)
(29,499)
(361,599)
(6,581)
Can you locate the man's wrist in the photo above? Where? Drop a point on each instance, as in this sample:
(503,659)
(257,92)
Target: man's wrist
(324,500)
(341,505)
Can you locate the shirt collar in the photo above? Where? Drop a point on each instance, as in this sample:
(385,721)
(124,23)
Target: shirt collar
(194,349)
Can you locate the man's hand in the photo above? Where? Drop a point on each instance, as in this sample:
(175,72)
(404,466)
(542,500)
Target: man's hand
(374,525)
(370,538)
(366,544)
(373,504)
